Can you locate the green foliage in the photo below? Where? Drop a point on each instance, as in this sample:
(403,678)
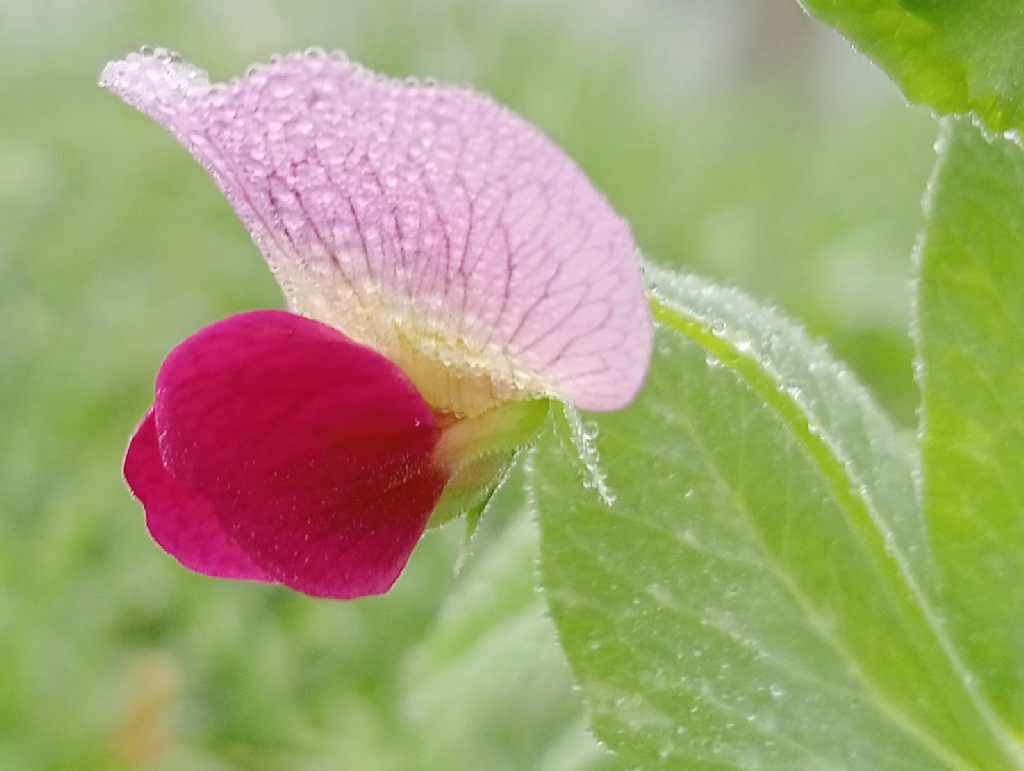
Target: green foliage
(761,590)
(956,55)
(774,579)
(770,521)
(970,321)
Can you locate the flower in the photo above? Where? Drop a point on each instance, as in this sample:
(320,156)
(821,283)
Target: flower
(447,269)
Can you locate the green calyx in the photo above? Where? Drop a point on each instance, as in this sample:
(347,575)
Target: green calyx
(480,451)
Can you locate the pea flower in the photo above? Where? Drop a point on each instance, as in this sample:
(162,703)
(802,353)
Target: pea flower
(447,269)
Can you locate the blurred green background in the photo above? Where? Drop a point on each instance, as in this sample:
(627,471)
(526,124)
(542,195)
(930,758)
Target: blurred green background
(742,141)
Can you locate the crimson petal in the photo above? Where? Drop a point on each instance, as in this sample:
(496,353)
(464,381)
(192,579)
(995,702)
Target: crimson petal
(178,518)
(316,453)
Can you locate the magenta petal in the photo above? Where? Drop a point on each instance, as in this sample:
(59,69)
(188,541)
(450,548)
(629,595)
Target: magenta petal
(425,221)
(179,519)
(315,452)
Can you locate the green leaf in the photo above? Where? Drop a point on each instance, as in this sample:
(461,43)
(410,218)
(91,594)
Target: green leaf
(760,592)
(970,337)
(955,55)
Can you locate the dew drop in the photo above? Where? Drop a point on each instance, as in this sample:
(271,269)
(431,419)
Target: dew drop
(594,477)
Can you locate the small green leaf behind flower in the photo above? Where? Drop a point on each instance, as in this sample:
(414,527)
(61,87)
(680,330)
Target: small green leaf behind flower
(489,687)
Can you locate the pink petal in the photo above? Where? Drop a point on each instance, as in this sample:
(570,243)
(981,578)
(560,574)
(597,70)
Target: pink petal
(315,453)
(425,221)
(178,518)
